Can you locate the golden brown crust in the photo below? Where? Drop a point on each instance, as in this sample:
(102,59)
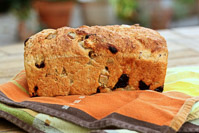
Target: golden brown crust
(89,59)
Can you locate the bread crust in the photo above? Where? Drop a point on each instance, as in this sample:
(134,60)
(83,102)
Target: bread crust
(87,60)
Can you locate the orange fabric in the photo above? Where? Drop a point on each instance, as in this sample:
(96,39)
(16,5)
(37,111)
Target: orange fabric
(142,105)
(21,78)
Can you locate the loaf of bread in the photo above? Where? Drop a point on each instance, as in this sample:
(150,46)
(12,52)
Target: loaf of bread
(89,60)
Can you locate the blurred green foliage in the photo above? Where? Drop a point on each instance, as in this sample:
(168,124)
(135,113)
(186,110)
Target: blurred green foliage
(131,11)
(182,8)
(125,9)
(21,8)
(58,0)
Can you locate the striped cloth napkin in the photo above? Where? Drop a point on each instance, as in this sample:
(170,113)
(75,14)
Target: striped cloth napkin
(174,110)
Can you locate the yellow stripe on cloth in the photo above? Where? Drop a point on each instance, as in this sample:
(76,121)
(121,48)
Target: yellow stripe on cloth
(18,85)
(183,79)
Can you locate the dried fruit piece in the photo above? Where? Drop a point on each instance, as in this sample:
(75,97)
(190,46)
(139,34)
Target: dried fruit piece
(106,68)
(51,36)
(40,65)
(64,73)
(159,89)
(71,35)
(26,41)
(103,79)
(34,94)
(122,82)
(87,36)
(113,49)
(91,54)
(143,86)
(98,90)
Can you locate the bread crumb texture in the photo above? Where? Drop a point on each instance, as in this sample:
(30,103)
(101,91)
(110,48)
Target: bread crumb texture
(96,59)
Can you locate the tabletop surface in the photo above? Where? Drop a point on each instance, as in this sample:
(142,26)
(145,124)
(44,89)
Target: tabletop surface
(183,46)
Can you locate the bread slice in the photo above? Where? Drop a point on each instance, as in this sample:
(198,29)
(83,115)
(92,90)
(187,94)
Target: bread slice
(89,60)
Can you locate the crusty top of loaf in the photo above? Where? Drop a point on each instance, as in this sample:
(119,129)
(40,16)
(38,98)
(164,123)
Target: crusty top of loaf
(129,40)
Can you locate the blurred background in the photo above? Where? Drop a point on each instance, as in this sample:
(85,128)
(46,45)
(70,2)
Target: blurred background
(21,18)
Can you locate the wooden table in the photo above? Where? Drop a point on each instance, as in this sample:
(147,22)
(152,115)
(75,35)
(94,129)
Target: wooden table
(183,45)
